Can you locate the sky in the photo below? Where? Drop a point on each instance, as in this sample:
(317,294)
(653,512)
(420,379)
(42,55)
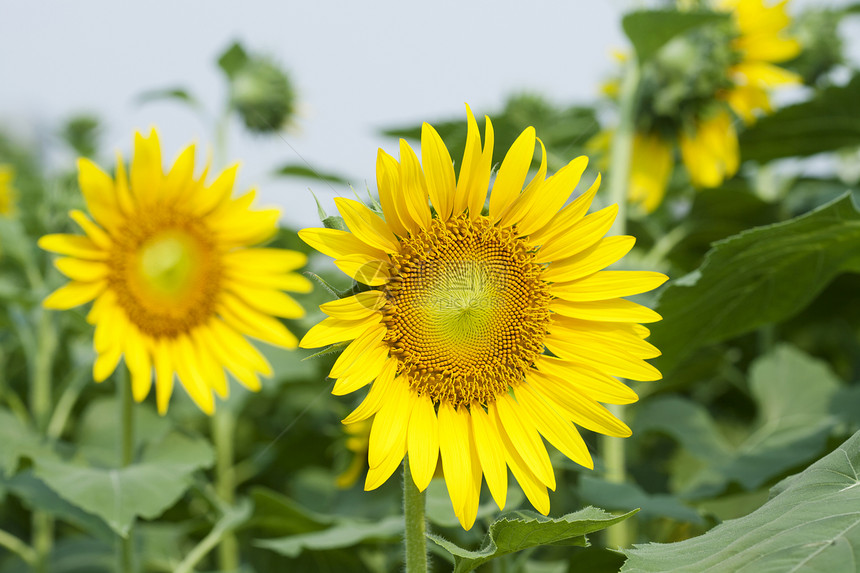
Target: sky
(357,66)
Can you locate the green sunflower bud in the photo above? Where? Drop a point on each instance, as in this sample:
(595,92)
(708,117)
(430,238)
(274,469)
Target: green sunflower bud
(263,95)
(817,31)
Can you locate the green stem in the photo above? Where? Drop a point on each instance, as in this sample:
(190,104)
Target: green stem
(125,545)
(40,408)
(223,431)
(415,540)
(619,172)
(201,550)
(15,545)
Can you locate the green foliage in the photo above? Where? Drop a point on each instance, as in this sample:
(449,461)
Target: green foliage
(809,524)
(142,489)
(308,172)
(827,122)
(792,393)
(650,30)
(755,278)
(526,529)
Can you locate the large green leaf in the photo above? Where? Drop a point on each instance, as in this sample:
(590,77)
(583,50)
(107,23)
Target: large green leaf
(793,394)
(761,276)
(811,523)
(650,30)
(345,534)
(142,489)
(17,439)
(829,121)
(524,529)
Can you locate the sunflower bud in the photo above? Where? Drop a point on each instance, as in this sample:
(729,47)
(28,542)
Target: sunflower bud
(817,31)
(263,95)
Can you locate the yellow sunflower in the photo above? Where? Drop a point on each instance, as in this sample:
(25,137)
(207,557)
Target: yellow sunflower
(710,150)
(760,43)
(650,168)
(8,193)
(483,327)
(175,283)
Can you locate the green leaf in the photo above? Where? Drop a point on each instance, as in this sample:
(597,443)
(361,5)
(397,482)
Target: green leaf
(345,534)
(180,95)
(308,172)
(524,529)
(829,121)
(281,515)
(37,495)
(143,489)
(97,432)
(793,393)
(810,524)
(650,30)
(760,276)
(628,496)
(18,440)
(233,59)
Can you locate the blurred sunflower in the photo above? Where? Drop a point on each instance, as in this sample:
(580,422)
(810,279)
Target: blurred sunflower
(483,328)
(176,284)
(8,193)
(695,88)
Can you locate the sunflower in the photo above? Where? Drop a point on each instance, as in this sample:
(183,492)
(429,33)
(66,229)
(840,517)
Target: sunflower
(760,43)
(175,283)
(482,327)
(8,193)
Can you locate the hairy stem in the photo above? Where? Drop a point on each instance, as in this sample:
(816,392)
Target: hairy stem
(415,541)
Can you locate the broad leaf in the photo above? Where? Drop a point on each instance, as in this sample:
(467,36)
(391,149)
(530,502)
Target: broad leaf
(180,95)
(345,534)
(793,393)
(233,59)
(758,277)
(811,523)
(143,489)
(829,121)
(628,496)
(524,529)
(650,30)
(278,514)
(17,439)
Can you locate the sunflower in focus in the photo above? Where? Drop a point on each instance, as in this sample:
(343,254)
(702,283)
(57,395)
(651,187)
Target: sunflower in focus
(176,285)
(8,193)
(483,326)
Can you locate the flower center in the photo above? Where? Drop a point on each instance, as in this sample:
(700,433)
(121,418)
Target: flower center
(165,272)
(466,310)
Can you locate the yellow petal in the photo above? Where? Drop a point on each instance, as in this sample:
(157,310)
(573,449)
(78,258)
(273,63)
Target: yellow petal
(563,221)
(73,246)
(589,230)
(390,197)
(338,244)
(367,225)
(139,363)
(163,375)
(268,301)
(610,310)
(413,187)
(557,430)
(380,389)
(248,321)
(423,440)
(184,358)
(512,174)
(180,180)
(525,438)
(147,175)
(74,294)
(604,253)
(98,190)
(332,330)
(439,171)
(587,381)
(604,285)
(456,459)
(583,411)
(536,207)
(389,427)
(368,341)
(355,307)
(93,231)
(366,368)
(365,269)
(82,269)
(607,358)
(491,453)
(271,261)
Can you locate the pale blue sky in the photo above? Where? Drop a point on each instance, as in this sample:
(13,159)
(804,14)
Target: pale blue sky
(357,66)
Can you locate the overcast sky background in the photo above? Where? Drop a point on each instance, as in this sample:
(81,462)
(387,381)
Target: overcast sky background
(357,67)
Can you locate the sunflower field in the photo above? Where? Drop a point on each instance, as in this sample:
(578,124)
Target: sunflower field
(595,336)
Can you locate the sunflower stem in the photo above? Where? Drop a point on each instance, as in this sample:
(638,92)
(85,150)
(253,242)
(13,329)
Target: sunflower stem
(125,545)
(223,429)
(619,172)
(415,540)
(40,408)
